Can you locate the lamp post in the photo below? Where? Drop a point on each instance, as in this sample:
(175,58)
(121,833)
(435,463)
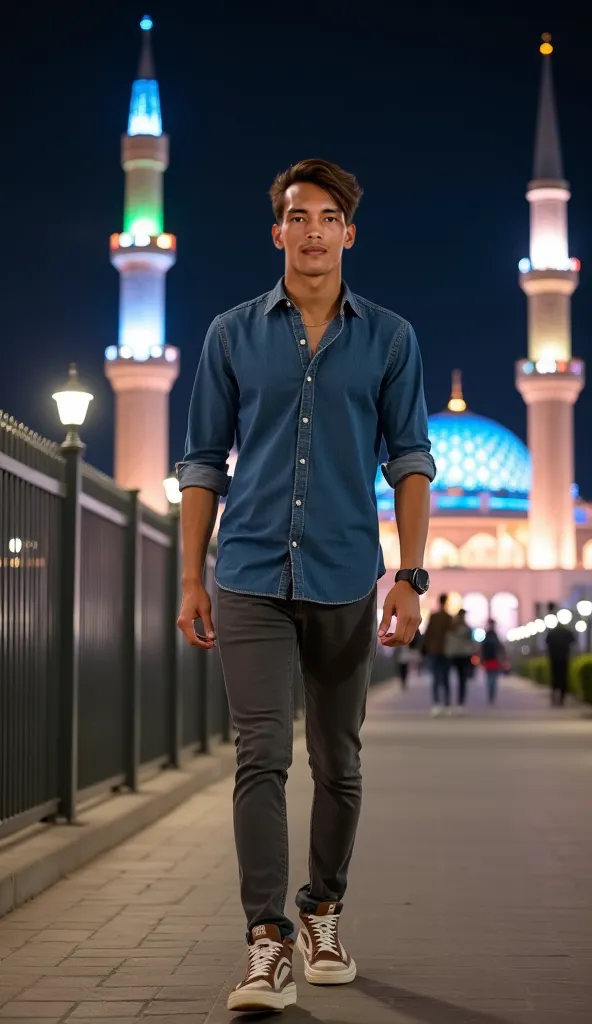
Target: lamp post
(176,652)
(72,401)
(584,609)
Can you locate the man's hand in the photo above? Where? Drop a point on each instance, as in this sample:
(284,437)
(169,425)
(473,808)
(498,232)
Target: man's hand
(196,604)
(402,602)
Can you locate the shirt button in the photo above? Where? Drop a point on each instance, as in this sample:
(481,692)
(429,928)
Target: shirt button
(303,341)
(305,419)
(302,461)
(309,379)
(299,503)
(294,544)
(288,304)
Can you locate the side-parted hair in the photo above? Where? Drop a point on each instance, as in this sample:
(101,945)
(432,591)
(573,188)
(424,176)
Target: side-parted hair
(339,184)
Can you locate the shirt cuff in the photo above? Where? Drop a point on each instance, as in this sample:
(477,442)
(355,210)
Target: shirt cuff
(414,462)
(195,474)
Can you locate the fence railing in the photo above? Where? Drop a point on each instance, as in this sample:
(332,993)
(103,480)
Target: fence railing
(97,685)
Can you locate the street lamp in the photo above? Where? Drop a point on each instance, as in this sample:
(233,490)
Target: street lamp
(171,489)
(72,401)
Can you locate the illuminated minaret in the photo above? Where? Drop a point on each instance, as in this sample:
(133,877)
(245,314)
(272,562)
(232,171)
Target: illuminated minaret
(142,368)
(549,380)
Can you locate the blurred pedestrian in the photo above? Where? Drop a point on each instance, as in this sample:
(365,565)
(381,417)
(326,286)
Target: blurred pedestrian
(460,648)
(434,646)
(492,659)
(559,643)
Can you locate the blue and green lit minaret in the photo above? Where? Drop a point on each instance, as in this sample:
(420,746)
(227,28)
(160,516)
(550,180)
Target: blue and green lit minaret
(142,368)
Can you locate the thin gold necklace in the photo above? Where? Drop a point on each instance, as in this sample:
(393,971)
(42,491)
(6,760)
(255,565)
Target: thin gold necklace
(316,325)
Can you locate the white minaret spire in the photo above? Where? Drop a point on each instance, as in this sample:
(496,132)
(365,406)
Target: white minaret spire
(549,380)
(142,368)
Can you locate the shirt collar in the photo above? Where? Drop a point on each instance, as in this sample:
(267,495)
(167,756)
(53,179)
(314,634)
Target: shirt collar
(278,296)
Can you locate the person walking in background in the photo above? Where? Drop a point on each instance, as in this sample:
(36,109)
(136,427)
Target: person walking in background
(459,648)
(409,657)
(559,643)
(434,647)
(492,653)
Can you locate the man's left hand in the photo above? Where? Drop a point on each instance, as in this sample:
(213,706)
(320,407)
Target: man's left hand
(401,602)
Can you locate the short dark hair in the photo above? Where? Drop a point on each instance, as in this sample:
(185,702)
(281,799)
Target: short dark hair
(443,599)
(340,185)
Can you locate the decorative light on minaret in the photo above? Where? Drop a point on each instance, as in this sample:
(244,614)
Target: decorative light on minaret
(142,368)
(549,380)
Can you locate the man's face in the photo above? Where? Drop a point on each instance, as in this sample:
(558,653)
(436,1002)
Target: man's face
(313,231)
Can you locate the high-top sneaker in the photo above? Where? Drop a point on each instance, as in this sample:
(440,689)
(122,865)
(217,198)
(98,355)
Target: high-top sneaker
(325,960)
(268,983)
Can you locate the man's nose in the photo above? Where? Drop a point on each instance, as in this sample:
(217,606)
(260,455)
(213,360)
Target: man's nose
(314,231)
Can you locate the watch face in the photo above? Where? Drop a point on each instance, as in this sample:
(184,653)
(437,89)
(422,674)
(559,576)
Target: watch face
(421,581)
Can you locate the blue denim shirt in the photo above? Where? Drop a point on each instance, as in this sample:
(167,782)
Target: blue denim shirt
(300,518)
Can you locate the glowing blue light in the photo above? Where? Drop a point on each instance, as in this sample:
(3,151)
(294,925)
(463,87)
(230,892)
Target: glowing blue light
(524,265)
(479,635)
(144,116)
(111,352)
(527,367)
(125,352)
(574,491)
(497,503)
(455,501)
(146,23)
(477,454)
(125,239)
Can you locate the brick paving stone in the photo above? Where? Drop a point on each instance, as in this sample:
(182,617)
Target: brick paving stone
(470,895)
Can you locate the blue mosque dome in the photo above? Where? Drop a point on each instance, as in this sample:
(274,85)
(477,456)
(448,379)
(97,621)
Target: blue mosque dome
(473,455)
(477,454)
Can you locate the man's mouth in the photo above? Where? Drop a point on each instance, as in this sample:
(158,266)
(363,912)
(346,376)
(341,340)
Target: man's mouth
(314,251)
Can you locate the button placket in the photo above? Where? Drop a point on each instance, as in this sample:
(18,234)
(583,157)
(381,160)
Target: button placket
(303,443)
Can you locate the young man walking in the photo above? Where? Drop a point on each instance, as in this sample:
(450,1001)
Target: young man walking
(306,380)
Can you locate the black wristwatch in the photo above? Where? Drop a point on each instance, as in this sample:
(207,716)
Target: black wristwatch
(418,578)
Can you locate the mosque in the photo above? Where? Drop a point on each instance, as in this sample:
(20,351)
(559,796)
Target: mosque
(508,529)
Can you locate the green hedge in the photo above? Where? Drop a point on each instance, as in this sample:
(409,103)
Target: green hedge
(580,674)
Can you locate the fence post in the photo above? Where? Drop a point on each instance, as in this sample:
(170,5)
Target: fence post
(72,450)
(133,641)
(175,640)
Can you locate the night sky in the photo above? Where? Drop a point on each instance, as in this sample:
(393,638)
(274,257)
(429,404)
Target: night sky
(432,106)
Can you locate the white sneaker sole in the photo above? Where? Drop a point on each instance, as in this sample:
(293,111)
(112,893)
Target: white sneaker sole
(256,1000)
(316,976)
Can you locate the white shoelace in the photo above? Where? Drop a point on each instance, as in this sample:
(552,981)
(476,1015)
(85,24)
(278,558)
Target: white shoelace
(325,932)
(261,957)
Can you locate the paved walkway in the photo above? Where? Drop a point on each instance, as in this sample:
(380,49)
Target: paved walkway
(470,898)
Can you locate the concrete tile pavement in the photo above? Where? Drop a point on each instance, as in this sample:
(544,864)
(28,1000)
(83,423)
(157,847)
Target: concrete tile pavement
(470,898)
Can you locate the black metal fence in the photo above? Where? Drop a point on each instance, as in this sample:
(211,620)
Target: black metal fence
(96,683)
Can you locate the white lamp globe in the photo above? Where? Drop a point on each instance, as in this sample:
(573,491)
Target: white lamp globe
(171,489)
(72,400)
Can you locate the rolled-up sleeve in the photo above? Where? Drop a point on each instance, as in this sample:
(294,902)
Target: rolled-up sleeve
(212,418)
(403,412)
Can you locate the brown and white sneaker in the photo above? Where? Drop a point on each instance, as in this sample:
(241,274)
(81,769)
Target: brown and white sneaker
(269,982)
(325,960)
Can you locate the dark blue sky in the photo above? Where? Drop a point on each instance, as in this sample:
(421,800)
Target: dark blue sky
(432,105)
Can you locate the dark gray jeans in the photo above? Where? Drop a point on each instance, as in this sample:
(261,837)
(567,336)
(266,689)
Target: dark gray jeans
(261,640)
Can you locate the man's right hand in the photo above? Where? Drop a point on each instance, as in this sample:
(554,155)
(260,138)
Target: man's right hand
(196,604)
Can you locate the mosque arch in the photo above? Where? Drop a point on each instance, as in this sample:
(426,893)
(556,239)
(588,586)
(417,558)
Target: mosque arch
(505,609)
(511,553)
(479,552)
(476,606)
(442,554)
